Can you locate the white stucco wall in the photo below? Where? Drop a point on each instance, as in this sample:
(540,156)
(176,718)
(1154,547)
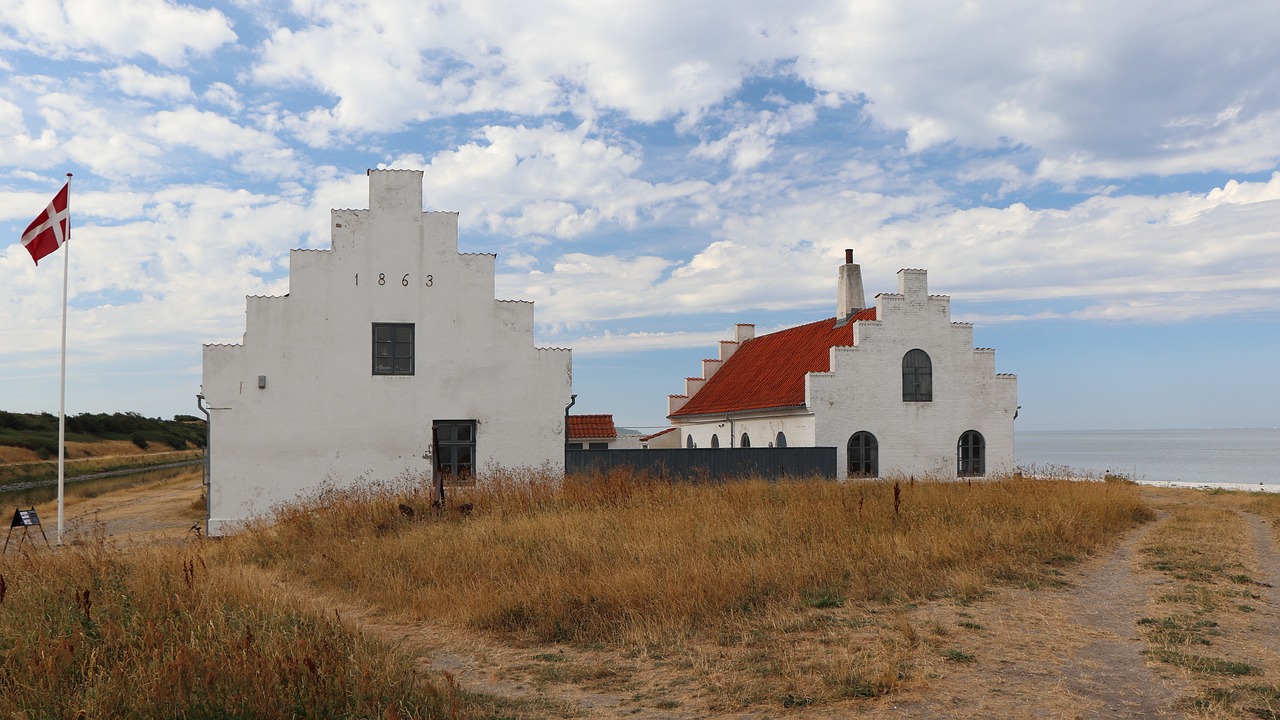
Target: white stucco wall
(324,416)
(762,429)
(863,391)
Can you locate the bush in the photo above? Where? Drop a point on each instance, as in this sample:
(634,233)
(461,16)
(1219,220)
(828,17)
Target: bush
(139,440)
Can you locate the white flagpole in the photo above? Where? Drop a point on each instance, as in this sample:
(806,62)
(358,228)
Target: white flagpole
(62,391)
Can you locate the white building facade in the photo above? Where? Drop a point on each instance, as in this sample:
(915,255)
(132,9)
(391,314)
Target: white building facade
(388,334)
(897,389)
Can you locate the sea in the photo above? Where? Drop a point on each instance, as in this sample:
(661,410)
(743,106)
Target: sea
(1238,459)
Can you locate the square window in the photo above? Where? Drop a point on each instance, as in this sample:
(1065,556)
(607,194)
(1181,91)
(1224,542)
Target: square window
(393,348)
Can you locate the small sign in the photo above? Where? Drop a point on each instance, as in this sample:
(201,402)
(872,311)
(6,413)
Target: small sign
(24,518)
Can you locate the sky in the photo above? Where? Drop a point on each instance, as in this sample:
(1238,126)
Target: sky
(1096,185)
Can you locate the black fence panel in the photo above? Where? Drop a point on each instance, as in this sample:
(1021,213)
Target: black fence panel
(708,464)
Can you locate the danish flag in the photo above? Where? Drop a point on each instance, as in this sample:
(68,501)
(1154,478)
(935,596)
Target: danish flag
(49,230)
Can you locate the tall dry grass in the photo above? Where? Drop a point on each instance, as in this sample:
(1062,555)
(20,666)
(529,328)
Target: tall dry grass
(621,557)
(94,632)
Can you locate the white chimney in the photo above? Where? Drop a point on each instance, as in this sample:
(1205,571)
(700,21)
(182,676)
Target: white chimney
(849,296)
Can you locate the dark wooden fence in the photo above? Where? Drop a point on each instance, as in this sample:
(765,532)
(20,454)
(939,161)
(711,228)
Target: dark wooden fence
(710,465)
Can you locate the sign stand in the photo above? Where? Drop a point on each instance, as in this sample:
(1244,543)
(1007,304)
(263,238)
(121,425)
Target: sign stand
(25,519)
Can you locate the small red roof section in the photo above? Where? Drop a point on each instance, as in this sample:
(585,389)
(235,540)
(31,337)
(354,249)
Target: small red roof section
(768,371)
(591,426)
(660,433)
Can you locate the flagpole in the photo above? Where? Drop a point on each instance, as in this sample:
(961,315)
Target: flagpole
(62,390)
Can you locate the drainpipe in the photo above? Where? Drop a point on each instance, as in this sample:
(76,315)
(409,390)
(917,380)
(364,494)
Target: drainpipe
(733,433)
(572,400)
(204,466)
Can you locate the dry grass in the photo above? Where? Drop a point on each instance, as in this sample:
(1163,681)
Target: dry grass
(83,458)
(717,576)
(793,595)
(91,631)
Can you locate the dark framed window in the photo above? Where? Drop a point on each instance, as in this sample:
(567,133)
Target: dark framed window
(455,449)
(574,446)
(688,442)
(746,441)
(598,446)
(715,440)
(971,454)
(917,377)
(393,348)
(864,455)
(781,441)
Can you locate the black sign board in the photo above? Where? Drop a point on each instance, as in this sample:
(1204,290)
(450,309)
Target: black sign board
(24,518)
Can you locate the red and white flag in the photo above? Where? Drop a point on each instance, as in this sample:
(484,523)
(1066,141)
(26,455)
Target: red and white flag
(49,230)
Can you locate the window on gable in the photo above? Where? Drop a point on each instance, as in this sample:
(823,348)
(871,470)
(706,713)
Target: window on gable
(864,455)
(917,377)
(971,454)
(456,450)
(393,348)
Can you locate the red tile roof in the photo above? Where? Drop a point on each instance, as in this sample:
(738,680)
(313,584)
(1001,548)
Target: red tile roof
(647,438)
(768,371)
(591,426)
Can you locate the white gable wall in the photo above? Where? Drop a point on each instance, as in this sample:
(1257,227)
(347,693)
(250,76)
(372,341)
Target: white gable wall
(324,416)
(863,391)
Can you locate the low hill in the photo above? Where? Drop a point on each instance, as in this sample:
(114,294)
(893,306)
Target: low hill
(39,432)
(96,443)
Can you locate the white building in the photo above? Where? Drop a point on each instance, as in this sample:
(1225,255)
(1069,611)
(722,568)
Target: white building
(389,332)
(897,389)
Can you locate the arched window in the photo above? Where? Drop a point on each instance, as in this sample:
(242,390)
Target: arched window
(715,440)
(971,453)
(864,455)
(781,441)
(688,442)
(746,441)
(917,377)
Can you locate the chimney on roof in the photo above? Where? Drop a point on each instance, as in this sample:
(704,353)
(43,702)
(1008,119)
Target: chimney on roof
(849,296)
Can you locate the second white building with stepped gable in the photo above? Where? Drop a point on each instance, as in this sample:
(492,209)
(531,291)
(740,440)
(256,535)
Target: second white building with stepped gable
(897,389)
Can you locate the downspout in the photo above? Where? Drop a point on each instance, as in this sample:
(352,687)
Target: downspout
(573,399)
(733,433)
(204,466)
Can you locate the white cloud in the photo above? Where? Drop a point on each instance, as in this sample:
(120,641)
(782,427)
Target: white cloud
(546,181)
(166,31)
(133,80)
(177,262)
(220,93)
(208,132)
(1092,85)
(752,142)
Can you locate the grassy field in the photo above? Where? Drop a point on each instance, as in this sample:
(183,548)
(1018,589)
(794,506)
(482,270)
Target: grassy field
(779,595)
(96,458)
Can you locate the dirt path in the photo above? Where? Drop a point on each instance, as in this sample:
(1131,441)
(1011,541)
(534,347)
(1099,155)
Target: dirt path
(1068,652)
(1109,673)
(160,511)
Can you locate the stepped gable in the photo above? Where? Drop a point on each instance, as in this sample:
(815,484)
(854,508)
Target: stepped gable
(768,370)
